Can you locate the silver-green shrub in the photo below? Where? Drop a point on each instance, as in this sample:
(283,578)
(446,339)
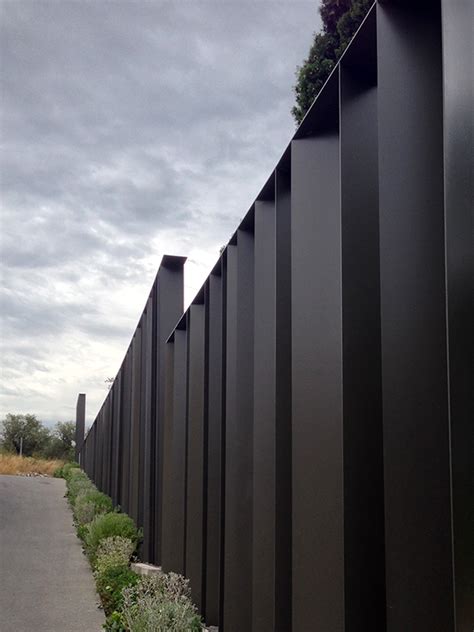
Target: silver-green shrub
(170,586)
(160,602)
(107,525)
(84,510)
(89,503)
(77,483)
(154,614)
(112,552)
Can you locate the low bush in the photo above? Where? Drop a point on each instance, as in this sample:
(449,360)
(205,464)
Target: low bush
(163,585)
(90,503)
(150,612)
(160,602)
(63,472)
(114,551)
(77,482)
(108,525)
(110,584)
(82,531)
(75,473)
(115,622)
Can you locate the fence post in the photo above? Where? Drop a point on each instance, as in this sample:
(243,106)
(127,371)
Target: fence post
(80,425)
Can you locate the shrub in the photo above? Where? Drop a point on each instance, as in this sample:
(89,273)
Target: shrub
(153,613)
(90,503)
(82,531)
(160,602)
(110,584)
(78,486)
(64,471)
(76,483)
(114,551)
(170,586)
(108,525)
(115,622)
(70,473)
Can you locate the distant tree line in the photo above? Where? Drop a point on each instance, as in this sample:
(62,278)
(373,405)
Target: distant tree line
(341,19)
(28,435)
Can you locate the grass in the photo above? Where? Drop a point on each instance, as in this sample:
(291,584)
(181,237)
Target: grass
(14,465)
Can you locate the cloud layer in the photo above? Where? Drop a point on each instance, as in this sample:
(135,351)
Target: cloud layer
(129,130)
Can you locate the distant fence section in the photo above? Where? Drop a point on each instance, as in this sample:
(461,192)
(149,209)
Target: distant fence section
(299,442)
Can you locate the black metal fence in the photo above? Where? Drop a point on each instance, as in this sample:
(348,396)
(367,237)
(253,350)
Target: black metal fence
(300,444)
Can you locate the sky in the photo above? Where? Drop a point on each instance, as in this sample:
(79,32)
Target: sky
(129,130)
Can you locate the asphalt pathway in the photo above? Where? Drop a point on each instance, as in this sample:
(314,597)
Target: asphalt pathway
(46,584)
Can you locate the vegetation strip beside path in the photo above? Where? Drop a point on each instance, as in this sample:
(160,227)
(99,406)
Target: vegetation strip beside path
(132,603)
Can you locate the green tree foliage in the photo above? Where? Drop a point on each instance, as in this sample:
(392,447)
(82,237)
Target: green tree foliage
(25,431)
(37,440)
(61,441)
(341,19)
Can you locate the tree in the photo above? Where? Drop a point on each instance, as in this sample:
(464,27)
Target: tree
(341,19)
(61,443)
(23,431)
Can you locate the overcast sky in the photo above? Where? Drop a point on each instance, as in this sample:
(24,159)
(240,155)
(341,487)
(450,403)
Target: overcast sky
(129,130)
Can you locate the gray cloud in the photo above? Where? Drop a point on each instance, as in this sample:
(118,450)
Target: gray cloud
(129,129)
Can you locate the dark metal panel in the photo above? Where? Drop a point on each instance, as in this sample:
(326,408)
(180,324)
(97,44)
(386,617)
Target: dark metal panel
(364,581)
(97,452)
(418,531)
(89,453)
(103,446)
(215,377)
(116,457)
(106,445)
(169,309)
(92,456)
(135,425)
(98,455)
(142,423)
(125,437)
(283,441)
(458,53)
(110,457)
(109,440)
(195,494)
(318,537)
(231,421)
(168,562)
(102,435)
(264,413)
(239,421)
(174,559)
(110,398)
(94,451)
(148,394)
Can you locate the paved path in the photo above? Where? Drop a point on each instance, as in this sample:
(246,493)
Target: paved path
(45,580)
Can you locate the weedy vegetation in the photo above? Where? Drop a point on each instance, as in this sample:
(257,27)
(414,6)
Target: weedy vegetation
(15,465)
